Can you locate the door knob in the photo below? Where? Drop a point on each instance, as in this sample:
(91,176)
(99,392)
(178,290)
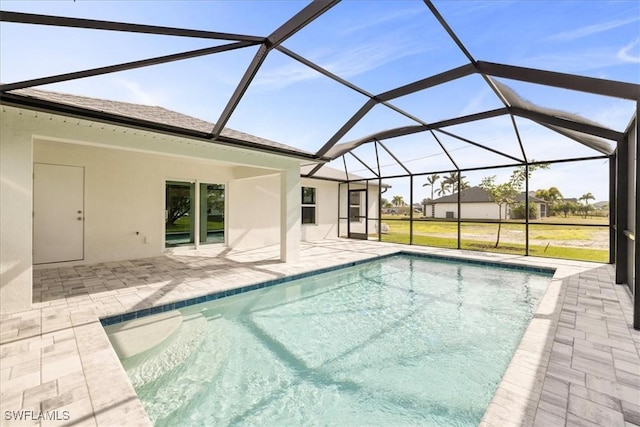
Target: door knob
(79,211)
(79,218)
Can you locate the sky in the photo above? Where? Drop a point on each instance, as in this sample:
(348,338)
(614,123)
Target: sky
(376,45)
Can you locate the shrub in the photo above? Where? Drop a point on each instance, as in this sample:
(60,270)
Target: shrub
(518,210)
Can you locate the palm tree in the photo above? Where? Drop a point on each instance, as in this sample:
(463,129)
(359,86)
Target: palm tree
(431,181)
(452,181)
(586,197)
(444,188)
(397,201)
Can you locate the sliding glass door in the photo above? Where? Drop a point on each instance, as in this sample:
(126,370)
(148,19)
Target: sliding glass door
(211,213)
(181,225)
(179,214)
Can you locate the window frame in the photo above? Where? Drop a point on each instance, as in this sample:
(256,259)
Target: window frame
(307,206)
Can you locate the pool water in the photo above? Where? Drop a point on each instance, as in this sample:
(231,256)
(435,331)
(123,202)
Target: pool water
(399,341)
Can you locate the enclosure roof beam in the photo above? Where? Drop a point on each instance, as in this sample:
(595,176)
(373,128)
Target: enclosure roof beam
(300,20)
(517,132)
(562,80)
(567,124)
(568,134)
(315,169)
(323,71)
(464,50)
(364,164)
(428,82)
(60,21)
(375,99)
(468,141)
(286,30)
(469,118)
(347,127)
(123,66)
(444,149)
(450,31)
(337,151)
(240,90)
(394,157)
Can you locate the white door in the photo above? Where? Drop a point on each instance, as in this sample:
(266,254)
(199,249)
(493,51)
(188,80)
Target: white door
(58,213)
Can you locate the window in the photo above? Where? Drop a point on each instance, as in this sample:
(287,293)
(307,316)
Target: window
(308,205)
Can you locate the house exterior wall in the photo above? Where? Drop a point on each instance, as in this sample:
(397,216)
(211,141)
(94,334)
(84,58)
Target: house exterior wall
(469,210)
(125,175)
(16,206)
(474,210)
(326,225)
(254,201)
(125,195)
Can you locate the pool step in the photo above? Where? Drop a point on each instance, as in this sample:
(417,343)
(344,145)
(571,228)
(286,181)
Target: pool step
(137,336)
(173,351)
(170,381)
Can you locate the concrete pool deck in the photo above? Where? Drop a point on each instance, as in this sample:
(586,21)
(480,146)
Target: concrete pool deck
(578,363)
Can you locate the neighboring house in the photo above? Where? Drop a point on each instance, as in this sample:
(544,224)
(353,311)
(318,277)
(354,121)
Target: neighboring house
(86,180)
(475,203)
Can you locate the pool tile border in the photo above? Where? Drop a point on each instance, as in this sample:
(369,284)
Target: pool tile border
(119,318)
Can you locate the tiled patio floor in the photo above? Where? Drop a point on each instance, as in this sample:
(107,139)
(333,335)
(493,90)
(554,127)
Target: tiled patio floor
(577,365)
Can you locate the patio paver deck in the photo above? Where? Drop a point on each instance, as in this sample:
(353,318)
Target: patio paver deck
(578,363)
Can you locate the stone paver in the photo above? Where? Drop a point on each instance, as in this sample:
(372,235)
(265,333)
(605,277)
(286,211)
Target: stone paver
(577,365)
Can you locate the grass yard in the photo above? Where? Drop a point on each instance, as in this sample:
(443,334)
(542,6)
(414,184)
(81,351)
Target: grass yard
(184,225)
(554,241)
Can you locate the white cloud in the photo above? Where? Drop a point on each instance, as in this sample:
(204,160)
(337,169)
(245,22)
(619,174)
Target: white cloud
(616,115)
(359,60)
(137,94)
(346,63)
(367,24)
(574,61)
(285,75)
(626,55)
(474,103)
(590,30)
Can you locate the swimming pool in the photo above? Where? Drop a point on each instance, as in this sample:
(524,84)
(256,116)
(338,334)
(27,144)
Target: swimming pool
(397,341)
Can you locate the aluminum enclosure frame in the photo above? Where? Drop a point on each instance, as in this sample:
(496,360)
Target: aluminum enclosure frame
(582,131)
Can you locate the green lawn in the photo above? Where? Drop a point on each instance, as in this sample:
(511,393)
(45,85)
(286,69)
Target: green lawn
(481,237)
(184,225)
(552,241)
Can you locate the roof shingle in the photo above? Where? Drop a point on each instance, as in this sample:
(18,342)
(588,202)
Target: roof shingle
(148,113)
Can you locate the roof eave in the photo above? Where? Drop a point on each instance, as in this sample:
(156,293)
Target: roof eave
(35,104)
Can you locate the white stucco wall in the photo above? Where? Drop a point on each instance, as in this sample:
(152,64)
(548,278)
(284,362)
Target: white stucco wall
(125,175)
(326,226)
(125,195)
(469,210)
(482,211)
(474,210)
(255,202)
(16,205)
